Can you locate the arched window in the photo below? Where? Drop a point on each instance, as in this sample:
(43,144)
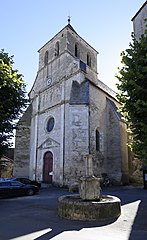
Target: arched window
(57,49)
(97,140)
(77,50)
(46,58)
(88,60)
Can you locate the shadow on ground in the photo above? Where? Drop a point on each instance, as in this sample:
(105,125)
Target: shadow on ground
(26,216)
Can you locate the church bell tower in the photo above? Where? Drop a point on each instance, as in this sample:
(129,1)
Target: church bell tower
(60,102)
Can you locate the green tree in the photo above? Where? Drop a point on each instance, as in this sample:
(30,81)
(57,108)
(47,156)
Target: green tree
(12,99)
(132,93)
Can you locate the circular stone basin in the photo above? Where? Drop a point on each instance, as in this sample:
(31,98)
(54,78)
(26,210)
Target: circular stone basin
(73,207)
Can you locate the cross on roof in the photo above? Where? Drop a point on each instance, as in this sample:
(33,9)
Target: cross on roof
(69,18)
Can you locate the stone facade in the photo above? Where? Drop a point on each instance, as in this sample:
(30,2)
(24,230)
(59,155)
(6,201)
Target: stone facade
(22,145)
(139,24)
(72,114)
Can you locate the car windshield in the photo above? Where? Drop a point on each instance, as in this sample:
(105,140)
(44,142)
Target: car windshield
(24,180)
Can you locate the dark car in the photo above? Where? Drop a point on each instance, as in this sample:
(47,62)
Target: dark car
(27,181)
(14,188)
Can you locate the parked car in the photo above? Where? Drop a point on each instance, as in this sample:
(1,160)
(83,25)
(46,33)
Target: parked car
(14,188)
(27,181)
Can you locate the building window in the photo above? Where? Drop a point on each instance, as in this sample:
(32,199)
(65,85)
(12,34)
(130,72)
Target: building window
(83,66)
(88,60)
(77,51)
(46,58)
(50,124)
(97,140)
(57,49)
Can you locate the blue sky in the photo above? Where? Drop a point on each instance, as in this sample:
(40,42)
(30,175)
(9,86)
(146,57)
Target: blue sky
(26,25)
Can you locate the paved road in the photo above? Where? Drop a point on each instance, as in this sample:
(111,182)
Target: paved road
(36,217)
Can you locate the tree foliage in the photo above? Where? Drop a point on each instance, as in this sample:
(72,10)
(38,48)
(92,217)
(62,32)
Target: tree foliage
(12,99)
(132,93)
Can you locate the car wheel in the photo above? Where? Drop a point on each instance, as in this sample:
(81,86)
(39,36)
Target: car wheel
(30,192)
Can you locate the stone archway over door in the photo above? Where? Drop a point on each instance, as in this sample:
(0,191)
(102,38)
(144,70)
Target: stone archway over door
(48,167)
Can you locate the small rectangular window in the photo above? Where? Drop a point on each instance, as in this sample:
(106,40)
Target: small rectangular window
(97,140)
(83,66)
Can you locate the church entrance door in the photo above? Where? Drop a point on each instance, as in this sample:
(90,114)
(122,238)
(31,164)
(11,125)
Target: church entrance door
(48,167)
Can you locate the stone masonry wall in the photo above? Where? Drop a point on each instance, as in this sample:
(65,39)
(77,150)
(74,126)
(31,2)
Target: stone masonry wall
(139,22)
(105,119)
(77,145)
(22,145)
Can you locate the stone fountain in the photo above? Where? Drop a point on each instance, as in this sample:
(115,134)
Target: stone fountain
(89,204)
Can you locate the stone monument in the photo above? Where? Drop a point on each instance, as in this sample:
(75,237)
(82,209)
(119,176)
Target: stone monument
(89,187)
(89,204)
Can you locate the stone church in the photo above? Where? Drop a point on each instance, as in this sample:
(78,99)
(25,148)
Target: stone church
(71,114)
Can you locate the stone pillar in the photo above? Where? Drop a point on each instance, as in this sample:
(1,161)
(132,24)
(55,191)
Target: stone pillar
(89,188)
(88,165)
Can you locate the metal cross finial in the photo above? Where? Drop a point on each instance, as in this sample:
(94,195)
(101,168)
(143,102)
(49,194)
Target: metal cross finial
(69,17)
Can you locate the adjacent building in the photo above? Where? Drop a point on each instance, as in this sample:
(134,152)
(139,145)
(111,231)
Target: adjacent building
(140,21)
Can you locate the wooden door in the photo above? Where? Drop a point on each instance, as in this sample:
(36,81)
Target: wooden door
(48,167)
